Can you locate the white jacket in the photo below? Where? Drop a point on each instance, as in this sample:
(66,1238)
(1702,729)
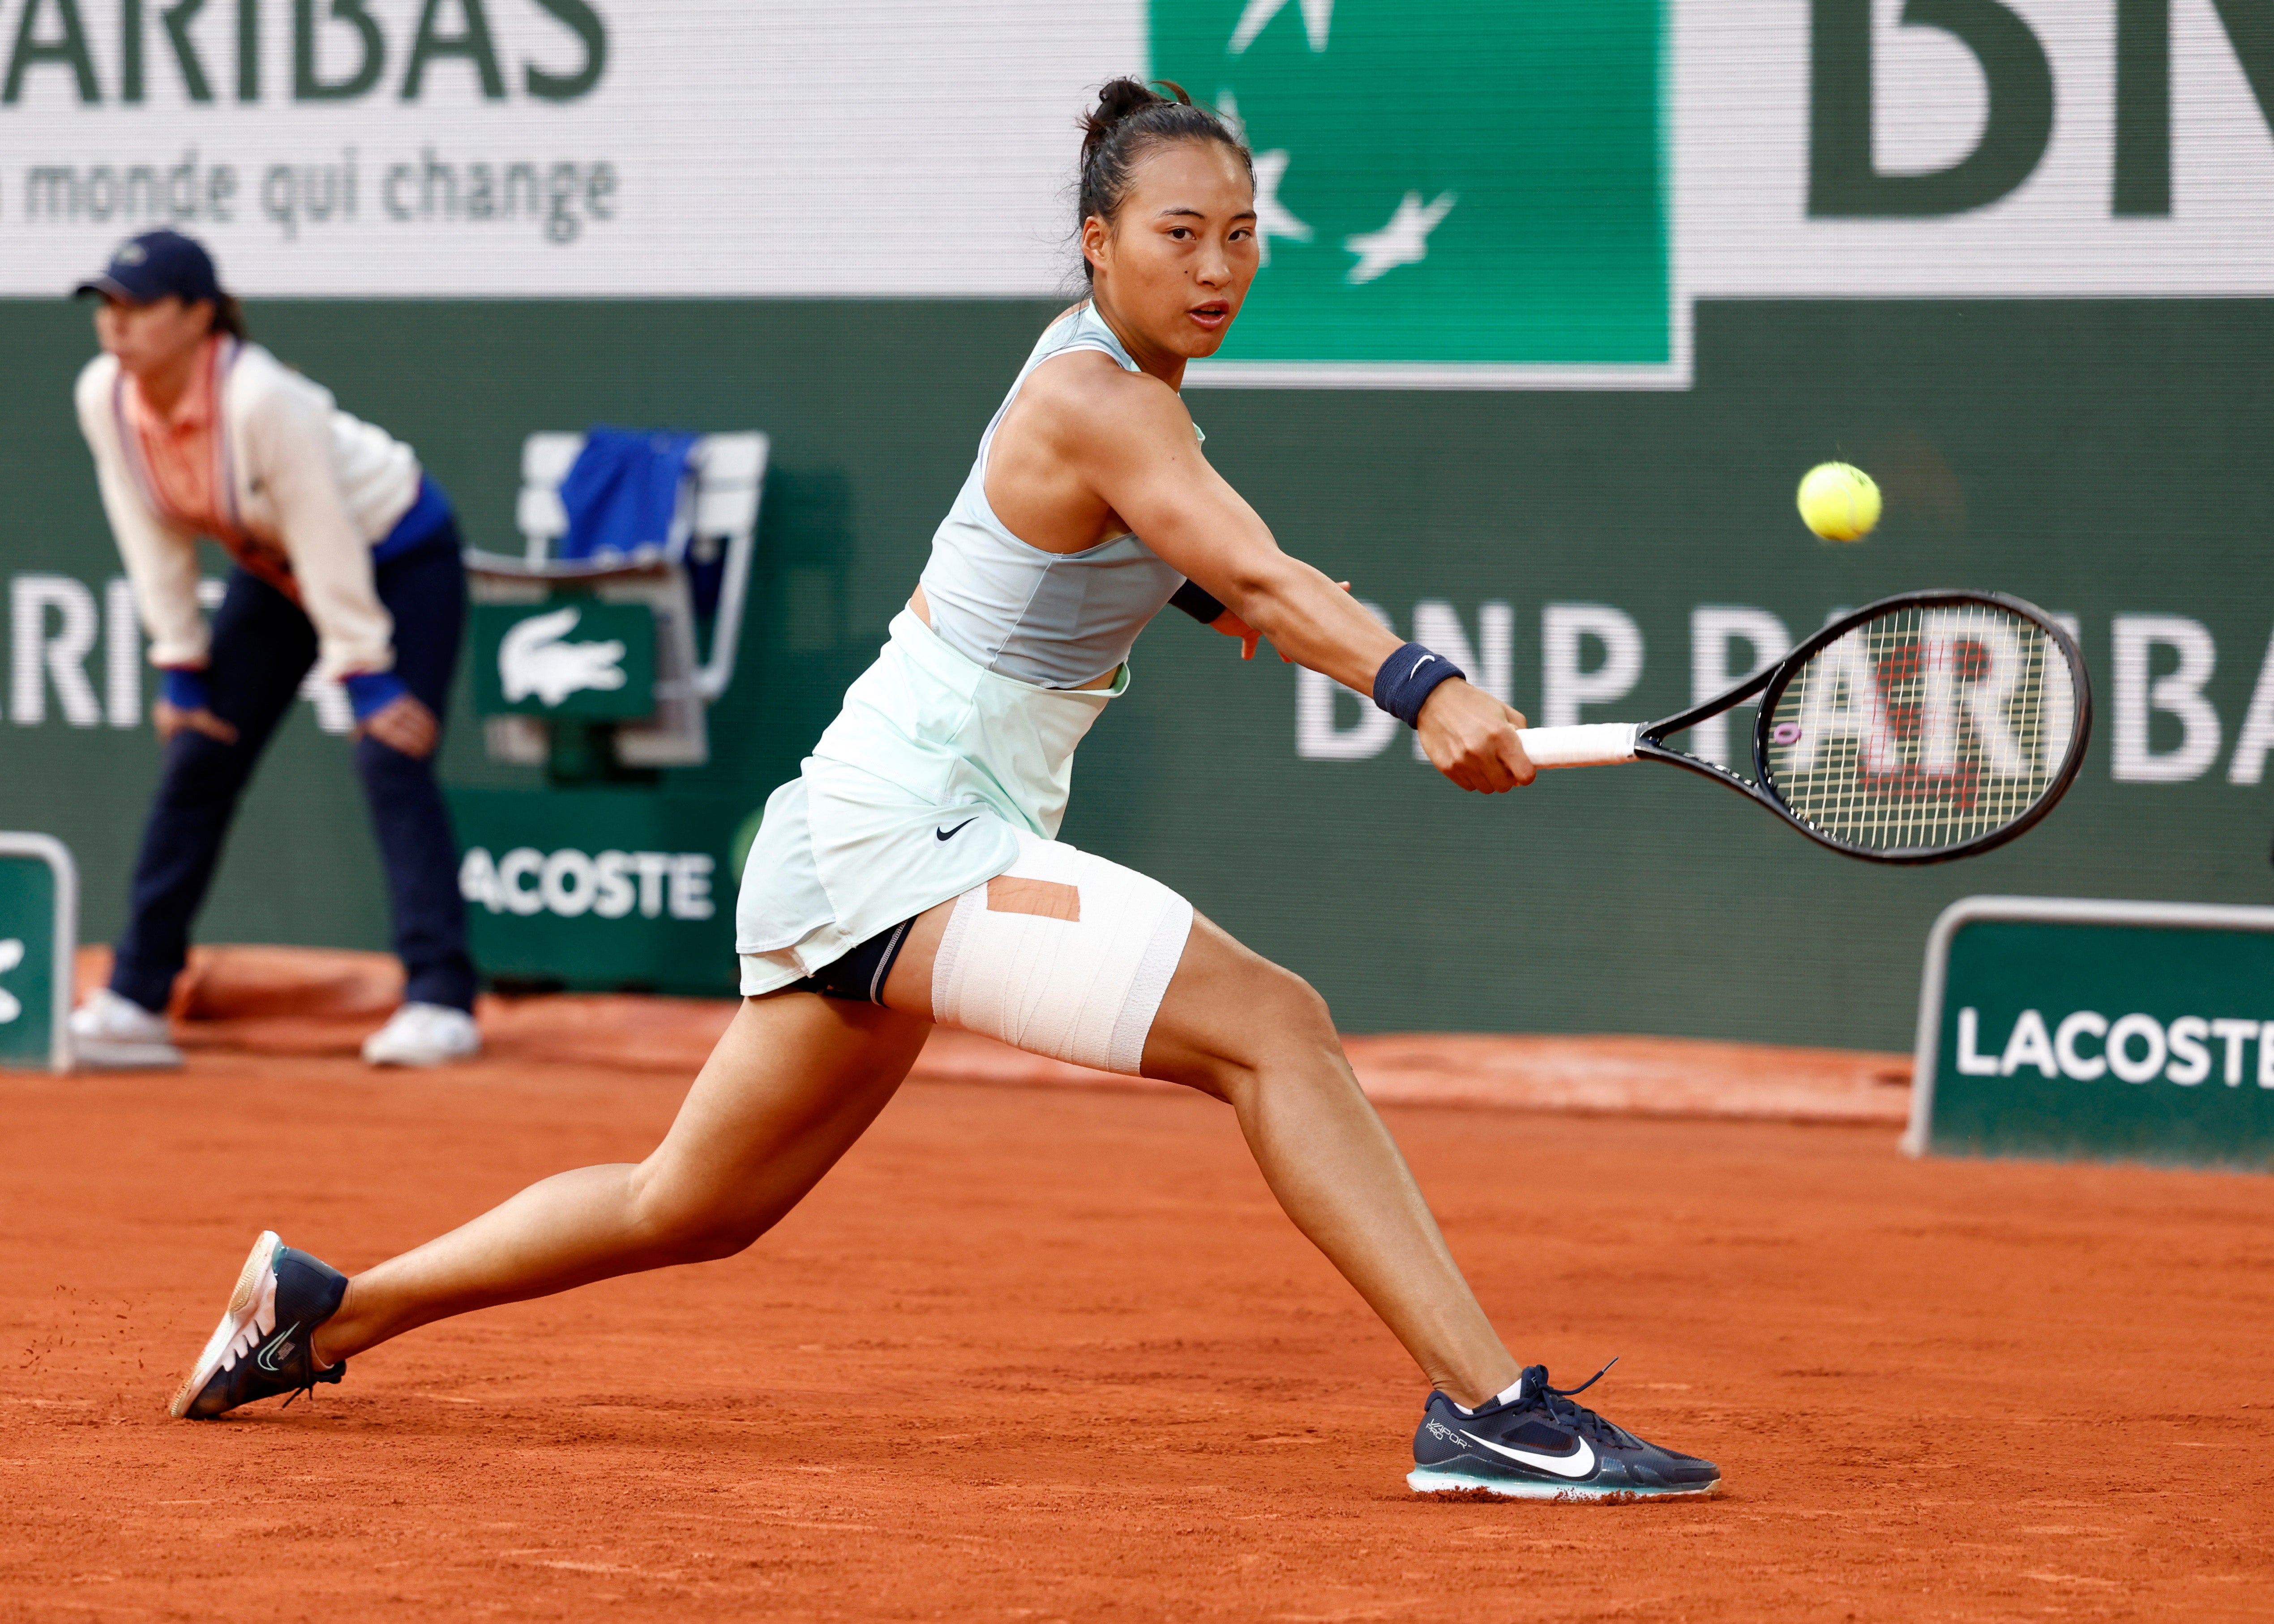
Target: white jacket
(315,488)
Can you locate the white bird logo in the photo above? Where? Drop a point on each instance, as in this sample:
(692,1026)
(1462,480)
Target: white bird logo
(12,954)
(1317,16)
(1274,218)
(1404,241)
(533,658)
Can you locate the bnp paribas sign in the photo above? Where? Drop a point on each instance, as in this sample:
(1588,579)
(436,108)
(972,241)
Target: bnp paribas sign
(1446,190)
(1483,193)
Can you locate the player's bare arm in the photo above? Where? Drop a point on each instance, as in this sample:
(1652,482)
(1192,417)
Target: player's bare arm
(1119,445)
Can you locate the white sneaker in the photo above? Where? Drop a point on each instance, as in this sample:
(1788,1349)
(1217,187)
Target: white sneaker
(110,1033)
(423,1035)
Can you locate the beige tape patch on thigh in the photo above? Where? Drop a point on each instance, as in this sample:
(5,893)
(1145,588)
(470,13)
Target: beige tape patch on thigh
(1008,893)
(1065,955)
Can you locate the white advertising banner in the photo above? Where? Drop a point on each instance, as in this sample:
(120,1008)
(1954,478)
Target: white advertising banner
(1455,191)
(331,149)
(2045,152)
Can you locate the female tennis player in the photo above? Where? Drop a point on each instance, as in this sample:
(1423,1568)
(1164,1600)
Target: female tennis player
(347,559)
(909,874)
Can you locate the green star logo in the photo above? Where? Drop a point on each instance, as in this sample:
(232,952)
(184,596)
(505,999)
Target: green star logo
(1449,192)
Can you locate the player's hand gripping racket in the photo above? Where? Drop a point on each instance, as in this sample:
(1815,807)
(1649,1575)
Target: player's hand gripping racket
(1925,727)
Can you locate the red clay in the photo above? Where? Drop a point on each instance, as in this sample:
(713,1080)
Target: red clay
(1053,1354)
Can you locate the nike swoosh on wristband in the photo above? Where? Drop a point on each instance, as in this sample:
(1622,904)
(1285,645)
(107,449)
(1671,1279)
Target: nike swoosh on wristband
(266,1357)
(1424,660)
(1563,1465)
(950,834)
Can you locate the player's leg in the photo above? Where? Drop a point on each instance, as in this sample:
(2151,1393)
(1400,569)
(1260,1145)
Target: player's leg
(792,1084)
(1232,1024)
(262,647)
(794,1081)
(1238,1027)
(1074,956)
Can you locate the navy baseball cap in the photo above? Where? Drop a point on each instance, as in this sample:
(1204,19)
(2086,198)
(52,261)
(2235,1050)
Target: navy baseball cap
(155,266)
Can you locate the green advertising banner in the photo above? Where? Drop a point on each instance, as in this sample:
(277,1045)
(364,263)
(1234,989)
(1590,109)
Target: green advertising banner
(574,657)
(1443,187)
(38,931)
(2106,1030)
(1599,556)
(605,889)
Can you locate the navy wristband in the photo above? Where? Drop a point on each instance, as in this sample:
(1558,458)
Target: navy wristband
(185,689)
(372,692)
(1195,601)
(1407,679)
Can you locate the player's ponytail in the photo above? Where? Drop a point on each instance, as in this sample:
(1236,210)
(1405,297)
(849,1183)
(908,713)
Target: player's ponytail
(1130,119)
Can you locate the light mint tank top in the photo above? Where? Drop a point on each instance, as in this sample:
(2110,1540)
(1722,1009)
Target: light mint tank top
(1055,619)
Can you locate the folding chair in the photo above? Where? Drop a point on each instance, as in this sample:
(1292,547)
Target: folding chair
(702,571)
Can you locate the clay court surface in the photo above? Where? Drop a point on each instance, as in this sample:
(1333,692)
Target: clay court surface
(1037,1353)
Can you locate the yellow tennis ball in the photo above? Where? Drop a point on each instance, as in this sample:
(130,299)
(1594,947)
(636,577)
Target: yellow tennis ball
(1839,502)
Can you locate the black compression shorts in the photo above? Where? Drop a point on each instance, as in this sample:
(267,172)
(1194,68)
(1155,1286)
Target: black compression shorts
(860,975)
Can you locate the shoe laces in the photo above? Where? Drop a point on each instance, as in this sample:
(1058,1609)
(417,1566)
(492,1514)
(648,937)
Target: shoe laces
(310,1377)
(1556,1403)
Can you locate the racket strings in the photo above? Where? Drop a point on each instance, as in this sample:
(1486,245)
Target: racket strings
(1923,728)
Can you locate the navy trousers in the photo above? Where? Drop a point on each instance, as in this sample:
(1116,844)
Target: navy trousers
(263,646)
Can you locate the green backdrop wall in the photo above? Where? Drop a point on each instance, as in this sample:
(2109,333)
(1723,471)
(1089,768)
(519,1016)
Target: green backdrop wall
(2100,458)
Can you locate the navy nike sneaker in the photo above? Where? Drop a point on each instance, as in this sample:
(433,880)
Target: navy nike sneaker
(263,1345)
(1539,1445)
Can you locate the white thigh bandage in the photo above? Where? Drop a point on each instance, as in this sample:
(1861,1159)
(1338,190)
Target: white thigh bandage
(1065,955)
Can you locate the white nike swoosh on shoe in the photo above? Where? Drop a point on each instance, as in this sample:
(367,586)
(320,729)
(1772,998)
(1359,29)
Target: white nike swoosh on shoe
(1563,1465)
(266,1357)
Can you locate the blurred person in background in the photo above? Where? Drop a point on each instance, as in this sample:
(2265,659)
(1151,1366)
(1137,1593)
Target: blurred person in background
(346,559)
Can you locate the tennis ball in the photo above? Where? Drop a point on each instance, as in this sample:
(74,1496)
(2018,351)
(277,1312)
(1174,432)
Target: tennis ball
(1839,502)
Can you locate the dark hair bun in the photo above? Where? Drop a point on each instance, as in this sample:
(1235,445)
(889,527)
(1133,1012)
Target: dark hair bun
(1120,99)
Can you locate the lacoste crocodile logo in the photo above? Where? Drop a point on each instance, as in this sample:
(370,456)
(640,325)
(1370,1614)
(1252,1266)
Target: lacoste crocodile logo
(12,954)
(535,657)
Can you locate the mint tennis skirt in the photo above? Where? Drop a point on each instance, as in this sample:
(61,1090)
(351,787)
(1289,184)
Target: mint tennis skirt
(913,795)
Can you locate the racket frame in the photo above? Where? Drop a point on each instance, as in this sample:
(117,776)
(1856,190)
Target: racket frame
(1650,741)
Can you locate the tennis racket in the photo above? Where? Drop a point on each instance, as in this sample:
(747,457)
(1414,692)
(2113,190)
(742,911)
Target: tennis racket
(1925,727)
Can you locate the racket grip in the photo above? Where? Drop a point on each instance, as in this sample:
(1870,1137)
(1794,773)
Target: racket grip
(1589,744)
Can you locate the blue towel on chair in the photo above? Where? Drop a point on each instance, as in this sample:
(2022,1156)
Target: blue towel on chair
(623,491)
